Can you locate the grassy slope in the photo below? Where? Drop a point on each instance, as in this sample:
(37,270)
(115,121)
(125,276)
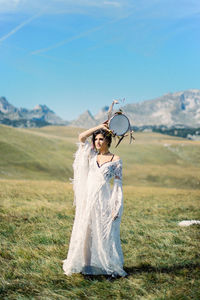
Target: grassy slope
(47,153)
(25,155)
(36,218)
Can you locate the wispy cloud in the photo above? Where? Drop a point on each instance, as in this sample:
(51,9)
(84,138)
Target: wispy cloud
(8,5)
(113,3)
(17,28)
(56,6)
(81,35)
(114,10)
(66,41)
(165,7)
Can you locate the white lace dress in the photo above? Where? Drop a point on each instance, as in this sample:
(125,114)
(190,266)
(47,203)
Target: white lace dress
(95,246)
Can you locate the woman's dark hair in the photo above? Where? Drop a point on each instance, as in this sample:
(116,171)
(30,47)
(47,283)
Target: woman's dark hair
(106,135)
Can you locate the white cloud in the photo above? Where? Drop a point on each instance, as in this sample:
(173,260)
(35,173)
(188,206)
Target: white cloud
(54,6)
(66,41)
(14,30)
(113,3)
(154,8)
(9,5)
(51,7)
(114,10)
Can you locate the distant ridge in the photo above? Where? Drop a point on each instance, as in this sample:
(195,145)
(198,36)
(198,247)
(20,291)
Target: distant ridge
(173,110)
(180,109)
(39,116)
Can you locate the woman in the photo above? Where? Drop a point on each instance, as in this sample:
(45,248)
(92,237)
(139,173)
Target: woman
(95,246)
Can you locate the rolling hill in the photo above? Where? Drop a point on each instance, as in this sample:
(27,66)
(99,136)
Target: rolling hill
(47,154)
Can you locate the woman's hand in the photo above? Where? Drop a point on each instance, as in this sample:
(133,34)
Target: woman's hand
(84,135)
(104,126)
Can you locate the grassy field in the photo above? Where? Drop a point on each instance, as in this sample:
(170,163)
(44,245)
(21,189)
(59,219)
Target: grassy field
(161,188)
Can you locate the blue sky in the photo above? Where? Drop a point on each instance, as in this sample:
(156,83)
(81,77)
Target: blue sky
(82,54)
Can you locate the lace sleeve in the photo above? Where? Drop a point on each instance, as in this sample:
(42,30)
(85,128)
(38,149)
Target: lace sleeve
(118,171)
(81,167)
(117,192)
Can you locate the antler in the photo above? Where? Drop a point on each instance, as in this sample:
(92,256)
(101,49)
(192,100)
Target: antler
(111,108)
(131,137)
(120,139)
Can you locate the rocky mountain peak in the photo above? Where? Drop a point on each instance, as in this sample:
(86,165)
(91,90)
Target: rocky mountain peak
(37,107)
(172,109)
(102,114)
(88,113)
(42,108)
(85,120)
(41,115)
(5,106)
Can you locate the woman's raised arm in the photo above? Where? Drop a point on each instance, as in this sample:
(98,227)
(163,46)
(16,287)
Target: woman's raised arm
(85,134)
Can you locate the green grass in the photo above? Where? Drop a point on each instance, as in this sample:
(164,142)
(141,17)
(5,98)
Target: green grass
(161,257)
(47,154)
(36,217)
(26,155)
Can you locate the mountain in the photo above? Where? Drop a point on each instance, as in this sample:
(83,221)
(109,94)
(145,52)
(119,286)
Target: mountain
(173,109)
(39,116)
(101,116)
(180,109)
(85,120)
(6,107)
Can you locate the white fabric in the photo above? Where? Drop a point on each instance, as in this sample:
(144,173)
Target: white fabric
(188,222)
(95,246)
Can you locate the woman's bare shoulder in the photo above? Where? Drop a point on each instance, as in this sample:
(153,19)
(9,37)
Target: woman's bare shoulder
(116,157)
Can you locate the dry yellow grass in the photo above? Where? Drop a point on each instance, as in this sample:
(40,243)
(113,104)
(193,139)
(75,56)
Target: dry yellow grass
(161,188)
(161,257)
